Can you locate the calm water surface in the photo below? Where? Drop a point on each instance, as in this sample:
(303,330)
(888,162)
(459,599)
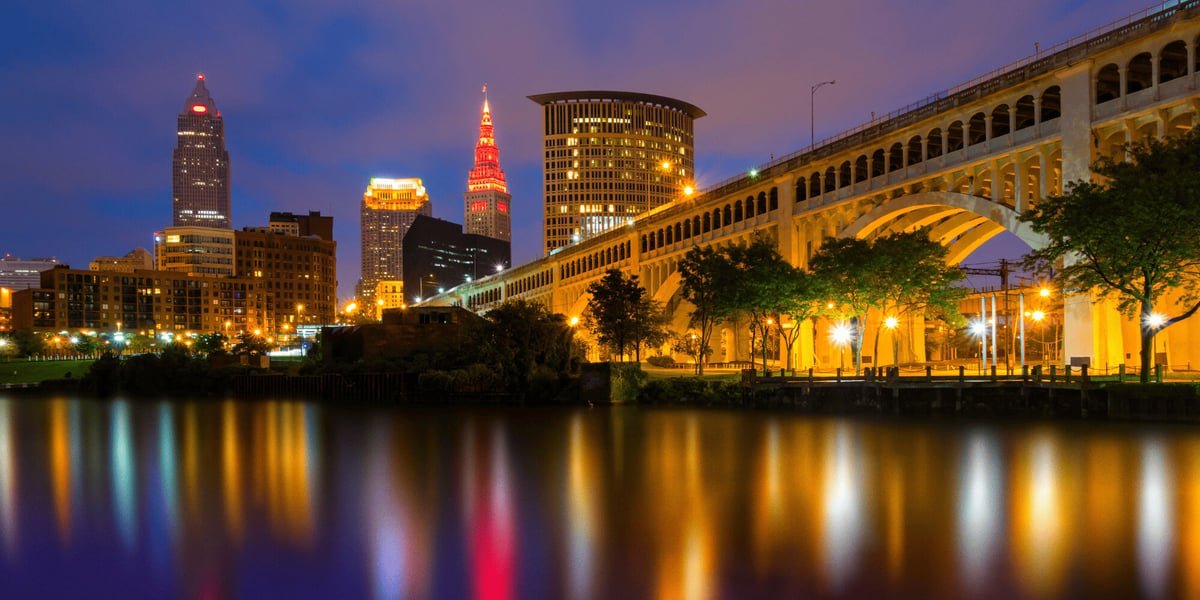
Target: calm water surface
(295,500)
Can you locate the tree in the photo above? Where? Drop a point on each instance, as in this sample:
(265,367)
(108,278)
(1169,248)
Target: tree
(211,344)
(916,279)
(706,277)
(797,296)
(767,288)
(849,272)
(250,345)
(86,345)
(521,338)
(621,314)
(1133,235)
(28,343)
(649,327)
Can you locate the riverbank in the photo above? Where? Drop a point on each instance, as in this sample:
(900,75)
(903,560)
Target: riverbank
(916,396)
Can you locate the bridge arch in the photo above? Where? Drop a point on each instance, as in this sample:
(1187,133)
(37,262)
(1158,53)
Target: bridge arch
(961,221)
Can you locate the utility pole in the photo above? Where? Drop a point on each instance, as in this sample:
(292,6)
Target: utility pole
(1003,272)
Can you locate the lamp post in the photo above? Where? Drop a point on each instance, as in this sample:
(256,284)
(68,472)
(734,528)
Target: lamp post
(812,112)
(1156,322)
(891,323)
(841,336)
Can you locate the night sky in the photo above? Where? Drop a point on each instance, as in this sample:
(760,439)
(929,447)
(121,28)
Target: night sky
(318,97)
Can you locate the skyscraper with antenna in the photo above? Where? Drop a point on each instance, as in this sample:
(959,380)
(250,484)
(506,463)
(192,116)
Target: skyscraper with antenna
(487,203)
(200,164)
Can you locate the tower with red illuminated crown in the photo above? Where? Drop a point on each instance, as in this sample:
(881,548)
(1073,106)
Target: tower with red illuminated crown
(200,166)
(487,201)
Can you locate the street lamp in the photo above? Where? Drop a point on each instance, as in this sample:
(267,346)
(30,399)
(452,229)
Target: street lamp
(812,111)
(841,335)
(891,323)
(980,328)
(1155,321)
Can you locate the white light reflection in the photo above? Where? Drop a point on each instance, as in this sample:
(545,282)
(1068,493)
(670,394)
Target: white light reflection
(979,506)
(75,440)
(169,479)
(1156,522)
(124,476)
(774,470)
(581,513)
(843,509)
(1045,528)
(385,518)
(8,481)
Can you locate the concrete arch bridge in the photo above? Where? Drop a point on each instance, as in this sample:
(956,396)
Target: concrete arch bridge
(964,162)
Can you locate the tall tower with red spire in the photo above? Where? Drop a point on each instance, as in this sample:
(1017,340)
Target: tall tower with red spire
(487,201)
(200,163)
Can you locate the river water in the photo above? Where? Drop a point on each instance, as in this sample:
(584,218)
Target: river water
(235,499)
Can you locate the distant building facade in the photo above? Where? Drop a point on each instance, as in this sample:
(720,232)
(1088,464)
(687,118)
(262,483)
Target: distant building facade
(200,164)
(312,224)
(200,251)
(610,156)
(18,274)
(438,255)
(143,301)
(487,203)
(296,273)
(137,259)
(389,208)
(389,294)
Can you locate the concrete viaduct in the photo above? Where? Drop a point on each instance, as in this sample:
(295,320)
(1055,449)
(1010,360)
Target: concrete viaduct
(964,162)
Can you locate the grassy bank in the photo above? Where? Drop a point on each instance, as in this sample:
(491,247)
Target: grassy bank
(38,371)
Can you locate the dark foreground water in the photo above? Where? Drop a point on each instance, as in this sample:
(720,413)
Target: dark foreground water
(293,500)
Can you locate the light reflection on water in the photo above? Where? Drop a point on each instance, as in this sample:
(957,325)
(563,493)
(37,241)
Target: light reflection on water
(245,499)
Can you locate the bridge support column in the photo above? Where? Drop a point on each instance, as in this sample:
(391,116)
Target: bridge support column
(1110,345)
(804,352)
(783,218)
(1078,338)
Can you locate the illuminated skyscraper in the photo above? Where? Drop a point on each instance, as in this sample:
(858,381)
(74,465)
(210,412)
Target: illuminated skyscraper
(200,168)
(610,156)
(487,201)
(388,209)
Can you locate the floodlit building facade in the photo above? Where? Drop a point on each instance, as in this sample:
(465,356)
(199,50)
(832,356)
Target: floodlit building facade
(200,251)
(143,301)
(610,156)
(200,164)
(487,204)
(389,207)
(137,259)
(19,274)
(293,264)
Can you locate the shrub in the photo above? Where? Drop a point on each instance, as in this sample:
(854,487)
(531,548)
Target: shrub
(665,362)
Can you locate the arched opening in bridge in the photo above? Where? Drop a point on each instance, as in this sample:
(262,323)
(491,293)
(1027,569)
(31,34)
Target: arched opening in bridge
(1139,75)
(934,143)
(1172,63)
(977,129)
(1000,121)
(954,137)
(1024,112)
(1051,103)
(896,157)
(877,163)
(914,150)
(976,232)
(1108,83)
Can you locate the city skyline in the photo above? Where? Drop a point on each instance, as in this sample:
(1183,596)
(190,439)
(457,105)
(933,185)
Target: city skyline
(311,113)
